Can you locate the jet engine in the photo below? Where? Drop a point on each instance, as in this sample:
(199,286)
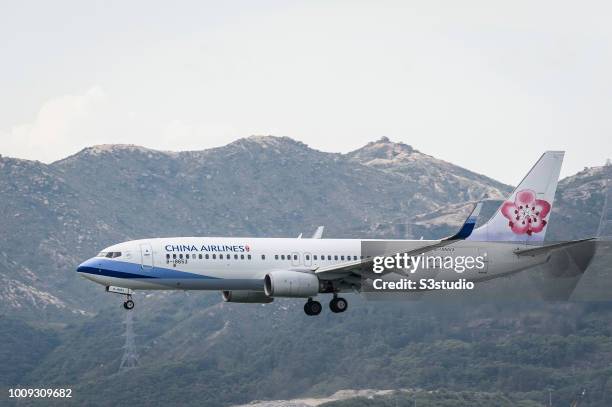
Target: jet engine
(291,284)
(246,297)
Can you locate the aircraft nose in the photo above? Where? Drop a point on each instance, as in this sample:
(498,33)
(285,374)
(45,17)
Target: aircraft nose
(86,266)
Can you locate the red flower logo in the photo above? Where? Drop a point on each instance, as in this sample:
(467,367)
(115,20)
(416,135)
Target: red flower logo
(526,214)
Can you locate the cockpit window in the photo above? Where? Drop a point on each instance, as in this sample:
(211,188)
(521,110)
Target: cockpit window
(109,255)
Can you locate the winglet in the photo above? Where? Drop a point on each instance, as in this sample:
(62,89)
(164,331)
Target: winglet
(468,225)
(318,233)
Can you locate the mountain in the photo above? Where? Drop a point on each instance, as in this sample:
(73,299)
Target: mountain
(433,180)
(579,203)
(200,350)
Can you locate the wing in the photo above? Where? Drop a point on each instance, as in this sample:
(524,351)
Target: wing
(353,269)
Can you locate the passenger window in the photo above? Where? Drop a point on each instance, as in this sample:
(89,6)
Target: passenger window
(354,257)
(168,256)
(263,256)
(329,257)
(206,256)
(242,257)
(249,256)
(214,256)
(336,257)
(341,257)
(181,256)
(200,256)
(174,255)
(235,257)
(282,257)
(307,257)
(276,257)
(314,256)
(295,257)
(187,256)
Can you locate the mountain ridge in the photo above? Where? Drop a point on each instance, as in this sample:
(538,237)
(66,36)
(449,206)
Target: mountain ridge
(68,210)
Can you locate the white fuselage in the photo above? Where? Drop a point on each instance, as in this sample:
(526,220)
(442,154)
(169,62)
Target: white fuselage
(222,263)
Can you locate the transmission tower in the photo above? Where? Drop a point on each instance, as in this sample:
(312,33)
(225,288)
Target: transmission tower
(130,357)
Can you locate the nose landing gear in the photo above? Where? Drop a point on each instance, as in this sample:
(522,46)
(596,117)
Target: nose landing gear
(128,304)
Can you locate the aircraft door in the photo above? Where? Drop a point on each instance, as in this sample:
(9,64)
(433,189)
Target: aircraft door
(146,252)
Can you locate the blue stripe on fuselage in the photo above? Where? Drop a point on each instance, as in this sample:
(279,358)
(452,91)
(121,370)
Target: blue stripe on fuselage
(123,269)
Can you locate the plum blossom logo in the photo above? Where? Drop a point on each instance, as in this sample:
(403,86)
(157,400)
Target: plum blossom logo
(527,213)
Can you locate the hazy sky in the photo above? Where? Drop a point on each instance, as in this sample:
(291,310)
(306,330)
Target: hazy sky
(488,85)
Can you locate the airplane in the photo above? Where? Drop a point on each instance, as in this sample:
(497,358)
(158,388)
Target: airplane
(260,270)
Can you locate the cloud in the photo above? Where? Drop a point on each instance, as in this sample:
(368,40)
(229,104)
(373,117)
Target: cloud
(66,124)
(60,125)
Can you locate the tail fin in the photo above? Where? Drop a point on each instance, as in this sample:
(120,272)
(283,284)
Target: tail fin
(523,217)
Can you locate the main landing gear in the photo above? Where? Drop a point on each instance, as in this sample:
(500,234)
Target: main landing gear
(336,305)
(312,307)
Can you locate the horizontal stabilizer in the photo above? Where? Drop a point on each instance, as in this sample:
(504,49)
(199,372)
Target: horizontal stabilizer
(535,251)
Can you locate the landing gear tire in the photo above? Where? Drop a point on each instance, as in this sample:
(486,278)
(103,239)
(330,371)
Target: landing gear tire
(312,307)
(338,305)
(129,304)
